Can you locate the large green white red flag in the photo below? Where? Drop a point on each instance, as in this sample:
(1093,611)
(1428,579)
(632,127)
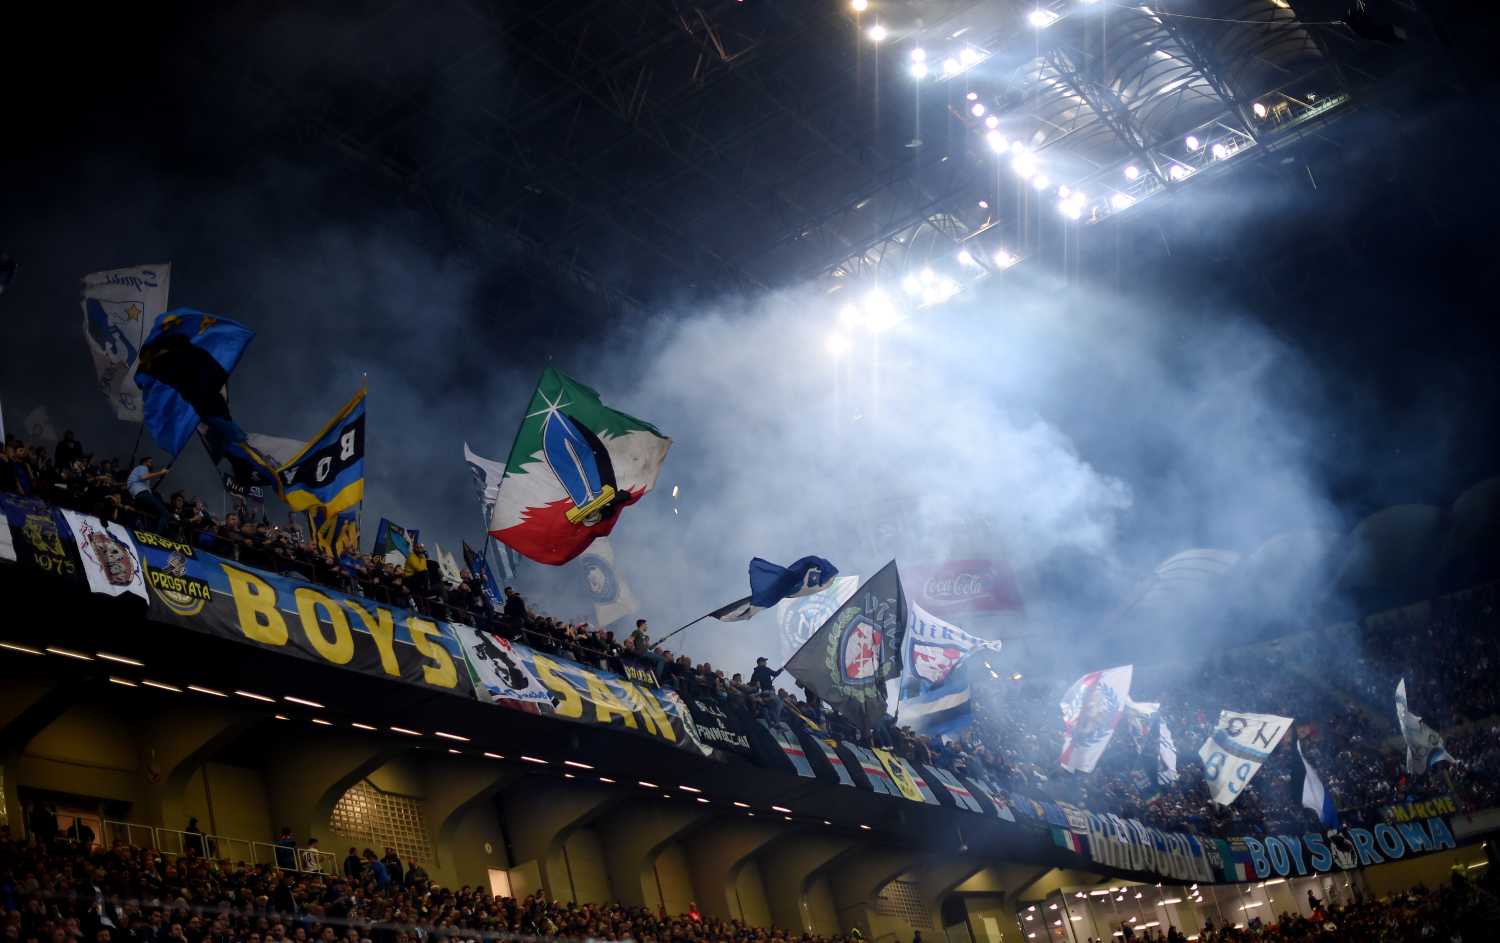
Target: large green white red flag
(575,466)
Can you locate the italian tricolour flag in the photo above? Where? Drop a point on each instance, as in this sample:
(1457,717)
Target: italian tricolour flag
(575,466)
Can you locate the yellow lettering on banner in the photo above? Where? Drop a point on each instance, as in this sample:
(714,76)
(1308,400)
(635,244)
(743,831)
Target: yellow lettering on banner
(899,775)
(255,607)
(607,705)
(549,673)
(444,675)
(339,649)
(383,631)
(653,717)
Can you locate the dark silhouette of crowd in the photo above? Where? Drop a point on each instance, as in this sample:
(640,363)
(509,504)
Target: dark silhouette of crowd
(67,892)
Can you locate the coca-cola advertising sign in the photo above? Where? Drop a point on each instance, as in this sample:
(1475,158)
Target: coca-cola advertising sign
(964,586)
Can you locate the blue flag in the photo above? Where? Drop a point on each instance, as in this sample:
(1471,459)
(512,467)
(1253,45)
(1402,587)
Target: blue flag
(480,570)
(393,542)
(770,584)
(183,368)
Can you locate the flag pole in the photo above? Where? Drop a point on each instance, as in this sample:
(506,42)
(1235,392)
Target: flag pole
(684,628)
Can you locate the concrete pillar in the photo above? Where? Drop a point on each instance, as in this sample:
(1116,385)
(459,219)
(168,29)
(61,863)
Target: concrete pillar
(716,852)
(462,819)
(310,771)
(787,865)
(857,877)
(634,835)
(176,744)
(27,706)
(538,815)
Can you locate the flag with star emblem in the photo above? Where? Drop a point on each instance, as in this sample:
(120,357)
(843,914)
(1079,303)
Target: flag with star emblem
(575,466)
(119,307)
(848,661)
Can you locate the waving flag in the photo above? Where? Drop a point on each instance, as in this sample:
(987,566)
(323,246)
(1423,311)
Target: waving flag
(850,658)
(934,686)
(1091,710)
(184,366)
(326,479)
(1240,744)
(393,543)
(1314,796)
(576,464)
(119,306)
(480,570)
(1424,746)
(770,584)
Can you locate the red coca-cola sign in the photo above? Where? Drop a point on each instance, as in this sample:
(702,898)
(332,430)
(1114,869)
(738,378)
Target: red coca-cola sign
(964,586)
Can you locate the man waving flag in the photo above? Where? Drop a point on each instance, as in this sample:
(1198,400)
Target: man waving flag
(575,466)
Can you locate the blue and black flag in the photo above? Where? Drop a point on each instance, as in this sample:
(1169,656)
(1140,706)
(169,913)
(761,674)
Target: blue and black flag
(326,479)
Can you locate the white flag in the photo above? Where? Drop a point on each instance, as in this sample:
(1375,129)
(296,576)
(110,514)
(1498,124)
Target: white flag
(936,647)
(109,556)
(1234,752)
(1424,746)
(447,565)
(1166,755)
(608,591)
(502,673)
(1315,796)
(119,307)
(1091,710)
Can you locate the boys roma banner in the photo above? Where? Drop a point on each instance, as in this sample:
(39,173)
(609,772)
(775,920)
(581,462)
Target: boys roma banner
(576,464)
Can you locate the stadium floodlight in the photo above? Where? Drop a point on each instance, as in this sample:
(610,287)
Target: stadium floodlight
(849,316)
(1121,201)
(977,109)
(1220,151)
(992,122)
(984,204)
(838,344)
(997,142)
(1192,142)
(1016,676)
(1259,109)
(1179,172)
(1132,172)
(918,70)
(965,257)
(951,66)
(912,285)
(1040,182)
(1041,19)
(881,314)
(1003,258)
(969,56)
(859,6)
(1063,191)
(877,33)
(972,96)
(1024,164)
(919,55)
(928,276)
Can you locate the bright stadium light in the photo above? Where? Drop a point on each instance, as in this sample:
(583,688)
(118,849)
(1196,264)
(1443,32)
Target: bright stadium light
(911,285)
(1024,164)
(965,257)
(972,96)
(1063,191)
(1121,201)
(877,33)
(992,122)
(1220,151)
(1132,172)
(1003,258)
(968,56)
(919,55)
(1192,142)
(1041,19)
(881,314)
(1040,182)
(1179,172)
(838,345)
(859,6)
(951,66)
(1259,109)
(848,316)
(918,70)
(997,142)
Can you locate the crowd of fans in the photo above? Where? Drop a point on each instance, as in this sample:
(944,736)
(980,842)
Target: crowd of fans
(1345,719)
(65,892)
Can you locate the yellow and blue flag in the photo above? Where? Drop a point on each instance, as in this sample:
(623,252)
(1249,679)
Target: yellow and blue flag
(326,479)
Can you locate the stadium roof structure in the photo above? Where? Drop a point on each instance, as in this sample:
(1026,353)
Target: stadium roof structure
(652,150)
